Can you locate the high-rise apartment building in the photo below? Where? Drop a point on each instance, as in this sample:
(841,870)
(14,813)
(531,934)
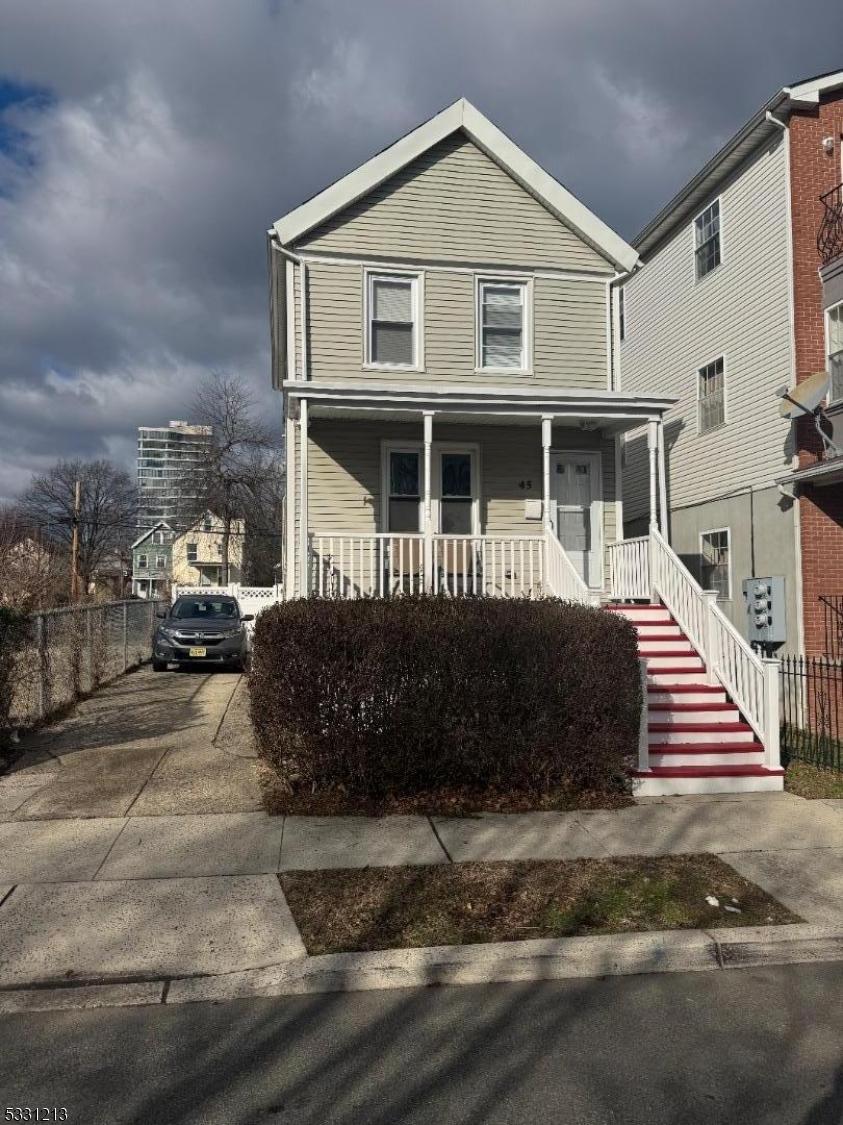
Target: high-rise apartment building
(169,464)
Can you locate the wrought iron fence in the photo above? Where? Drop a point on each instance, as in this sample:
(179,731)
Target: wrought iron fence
(830,234)
(74,650)
(832,609)
(812,711)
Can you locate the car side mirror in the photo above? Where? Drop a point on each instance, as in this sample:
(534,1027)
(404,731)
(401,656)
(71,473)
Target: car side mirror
(161,613)
(248,617)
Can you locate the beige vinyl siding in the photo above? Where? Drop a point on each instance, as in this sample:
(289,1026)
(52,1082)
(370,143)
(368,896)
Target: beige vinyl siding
(741,310)
(344,473)
(568,328)
(455,204)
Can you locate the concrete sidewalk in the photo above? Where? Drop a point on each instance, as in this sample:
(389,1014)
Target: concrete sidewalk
(133,848)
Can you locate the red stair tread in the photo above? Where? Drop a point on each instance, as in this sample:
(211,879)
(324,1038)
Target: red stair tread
(709,771)
(684,687)
(690,655)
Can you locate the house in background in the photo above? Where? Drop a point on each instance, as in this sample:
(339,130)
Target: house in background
(152,561)
(442,337)
(199,554)
(740,295)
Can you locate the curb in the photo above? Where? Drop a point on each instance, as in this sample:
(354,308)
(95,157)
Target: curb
(539,960)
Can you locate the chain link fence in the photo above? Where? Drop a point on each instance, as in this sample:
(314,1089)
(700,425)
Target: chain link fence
(71,652)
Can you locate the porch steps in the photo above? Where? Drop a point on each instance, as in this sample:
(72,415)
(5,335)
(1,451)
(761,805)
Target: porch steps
(698,741)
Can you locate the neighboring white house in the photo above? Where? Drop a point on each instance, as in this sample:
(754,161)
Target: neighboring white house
(723,313)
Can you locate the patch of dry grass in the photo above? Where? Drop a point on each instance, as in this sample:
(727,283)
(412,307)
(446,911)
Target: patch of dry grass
(812,782)
(468,903)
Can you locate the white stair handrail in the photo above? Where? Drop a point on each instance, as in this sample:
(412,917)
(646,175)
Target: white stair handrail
(752,683)
(563,579)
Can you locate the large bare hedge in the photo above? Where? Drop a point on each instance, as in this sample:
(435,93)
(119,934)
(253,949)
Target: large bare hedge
(399,697)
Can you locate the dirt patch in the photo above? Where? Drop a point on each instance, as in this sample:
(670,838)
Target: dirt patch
(812,782)
(441,802)
(469,903)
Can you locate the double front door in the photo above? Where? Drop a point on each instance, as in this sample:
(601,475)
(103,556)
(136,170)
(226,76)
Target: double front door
(453,486)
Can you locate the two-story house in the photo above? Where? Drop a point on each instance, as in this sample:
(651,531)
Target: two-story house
(725,312)
(443,337)
(208,555)
(152,560)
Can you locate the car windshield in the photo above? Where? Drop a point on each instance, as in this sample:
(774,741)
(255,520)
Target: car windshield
(211,609)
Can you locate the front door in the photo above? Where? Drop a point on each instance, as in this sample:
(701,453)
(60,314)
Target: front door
(454,488)
(575,511)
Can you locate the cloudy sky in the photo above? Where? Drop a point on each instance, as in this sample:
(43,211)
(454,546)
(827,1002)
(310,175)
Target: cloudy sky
(145,146)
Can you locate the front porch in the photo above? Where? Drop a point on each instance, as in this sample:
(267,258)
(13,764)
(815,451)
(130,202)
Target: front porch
(488,495)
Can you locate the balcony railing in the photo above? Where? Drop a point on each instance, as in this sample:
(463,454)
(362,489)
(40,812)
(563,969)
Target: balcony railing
(830,235)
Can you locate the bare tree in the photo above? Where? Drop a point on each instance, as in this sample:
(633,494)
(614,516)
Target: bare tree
(33,569)
(237,476)
(107,512)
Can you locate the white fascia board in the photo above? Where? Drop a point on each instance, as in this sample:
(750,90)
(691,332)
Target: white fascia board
(808,93)
(461,115)
(449,395)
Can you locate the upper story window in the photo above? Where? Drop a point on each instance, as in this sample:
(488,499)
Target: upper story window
(160,561)
(834,337)
(393,334)
(707,240)
(142,560)
(502,323)
(192,552)
(711,402)
(622,314)
(715,570)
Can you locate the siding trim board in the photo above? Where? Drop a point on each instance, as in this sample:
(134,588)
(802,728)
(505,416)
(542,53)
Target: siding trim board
(432,265)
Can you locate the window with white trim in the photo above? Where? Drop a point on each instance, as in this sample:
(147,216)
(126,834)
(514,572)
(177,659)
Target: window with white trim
(160,562)
(834,320)
(142,560)
(711,404)
(715,573)
(502,325)
(707,240)
(192,552)
(404,491)
(392,332)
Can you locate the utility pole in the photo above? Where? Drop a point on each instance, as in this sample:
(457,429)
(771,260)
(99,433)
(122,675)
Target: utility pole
(74,546)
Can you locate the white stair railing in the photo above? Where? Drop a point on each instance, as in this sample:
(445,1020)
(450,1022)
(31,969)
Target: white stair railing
(561,576)
(752,683)
(629,569)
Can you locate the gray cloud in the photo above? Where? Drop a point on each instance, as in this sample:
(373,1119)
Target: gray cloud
(131,235)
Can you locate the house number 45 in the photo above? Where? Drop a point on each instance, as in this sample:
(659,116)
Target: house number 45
(526,485)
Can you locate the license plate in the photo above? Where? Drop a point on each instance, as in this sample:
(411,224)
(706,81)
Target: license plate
(197,652)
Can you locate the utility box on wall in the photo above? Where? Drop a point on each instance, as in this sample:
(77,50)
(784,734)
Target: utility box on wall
(765,610)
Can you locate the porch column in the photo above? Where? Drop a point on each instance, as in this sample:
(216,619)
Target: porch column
(547,439)
(427,517)
(652,449)
(304,568)
(663,519)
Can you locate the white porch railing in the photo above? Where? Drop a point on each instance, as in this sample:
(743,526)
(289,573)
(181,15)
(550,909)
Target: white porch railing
(365,566)
(752,682)
(563,580)
(628,569)
(489,565)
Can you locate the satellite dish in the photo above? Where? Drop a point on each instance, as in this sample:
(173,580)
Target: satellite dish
(805,396)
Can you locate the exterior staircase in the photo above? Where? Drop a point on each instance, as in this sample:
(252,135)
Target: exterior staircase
(697,739)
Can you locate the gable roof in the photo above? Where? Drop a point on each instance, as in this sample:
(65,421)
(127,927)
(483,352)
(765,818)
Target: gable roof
(146,534)
(462,115)
(761,127)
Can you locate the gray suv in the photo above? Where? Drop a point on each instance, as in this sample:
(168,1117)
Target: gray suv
(202,629)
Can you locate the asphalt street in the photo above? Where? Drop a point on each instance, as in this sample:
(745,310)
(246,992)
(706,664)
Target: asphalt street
(745,1046)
